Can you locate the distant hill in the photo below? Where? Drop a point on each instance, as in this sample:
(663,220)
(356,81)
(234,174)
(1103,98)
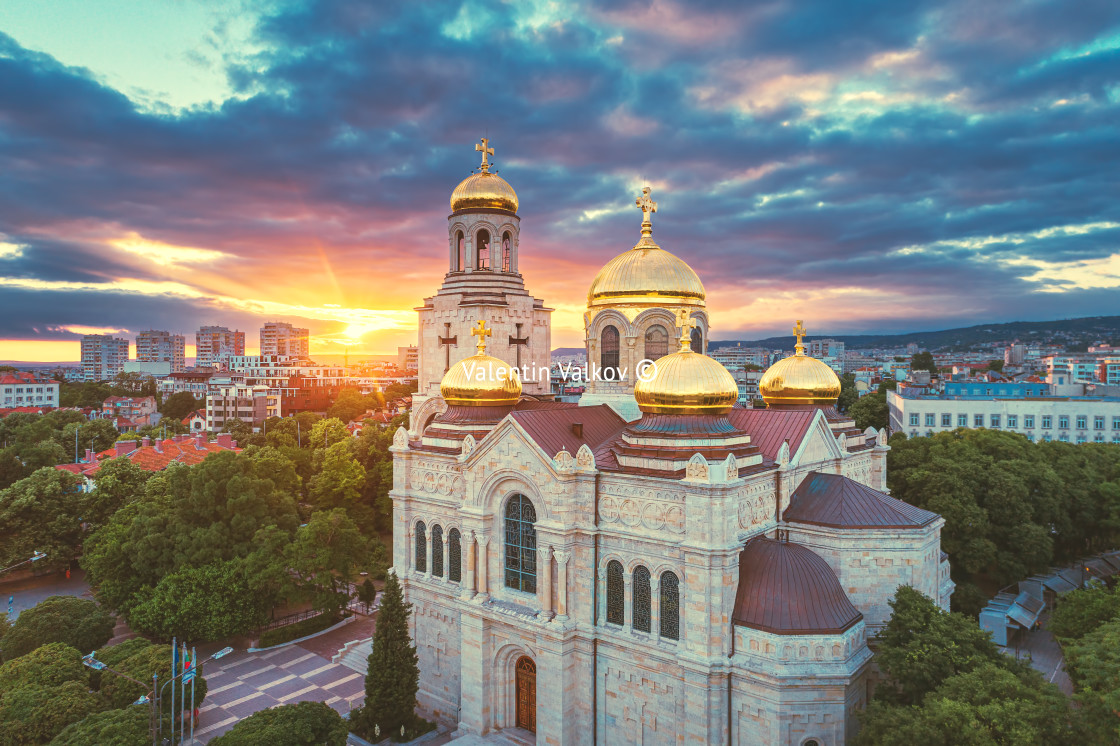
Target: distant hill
(1069,332)
(568,351)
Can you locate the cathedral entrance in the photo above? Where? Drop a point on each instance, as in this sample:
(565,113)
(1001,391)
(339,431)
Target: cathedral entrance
(527,694)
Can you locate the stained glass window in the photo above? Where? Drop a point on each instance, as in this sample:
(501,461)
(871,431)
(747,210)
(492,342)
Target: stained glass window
(609,357)
(641,599)
(454,557)
(657,342)
(616,593)
(437,551)
(521,545)
(670,606)
(421,547)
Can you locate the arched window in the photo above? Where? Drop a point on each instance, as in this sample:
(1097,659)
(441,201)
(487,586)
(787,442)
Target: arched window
(670,606)
(507,242)
(616,593)
(482,246)
(460,251)
(608,357)
(521,545)
(641,611)
(437,551)
(657,342)
(697,344)
(421,547)
(454,556)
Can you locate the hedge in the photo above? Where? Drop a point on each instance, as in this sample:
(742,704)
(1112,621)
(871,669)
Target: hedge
(290,632)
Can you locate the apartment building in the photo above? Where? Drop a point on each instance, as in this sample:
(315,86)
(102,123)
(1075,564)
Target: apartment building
(20,389)
(408,358)
(162,347)
(229,399)
(214,345)
(103,356)
(280,338)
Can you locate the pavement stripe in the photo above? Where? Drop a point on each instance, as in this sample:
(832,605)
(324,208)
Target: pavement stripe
(216,690)
(273,683)
(320,669)
(293,695)
(215,726)
(234,664)
(332,700)
(297,660)
(244,676)
(215,675)
(246,698)
(343,680)
(273,653)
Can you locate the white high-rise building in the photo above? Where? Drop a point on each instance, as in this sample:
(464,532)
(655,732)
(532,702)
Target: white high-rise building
(280,338)
(103,356)
(216,344)
(162,347)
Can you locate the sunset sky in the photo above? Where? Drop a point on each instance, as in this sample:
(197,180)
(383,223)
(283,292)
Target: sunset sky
(873,166)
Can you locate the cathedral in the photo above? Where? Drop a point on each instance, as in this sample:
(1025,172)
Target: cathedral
(652,565)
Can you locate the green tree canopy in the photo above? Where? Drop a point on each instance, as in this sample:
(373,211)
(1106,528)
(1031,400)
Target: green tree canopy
(42,513)
(394,675)
(341,478)
(848,392)
(326,433)
(923,361)
(349,405)
(49,665)
(126,727)
(1094,667)
(870,411)
(77,622)
(179,405)
(1083,610)
(311,723)
(36,714)
(118,481)
(141,665)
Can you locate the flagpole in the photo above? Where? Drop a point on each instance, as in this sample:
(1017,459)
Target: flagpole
(194,670)
(174,671)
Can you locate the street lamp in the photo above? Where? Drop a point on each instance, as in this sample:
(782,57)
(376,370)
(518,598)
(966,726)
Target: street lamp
(34,558)
(91,662)
(187,675)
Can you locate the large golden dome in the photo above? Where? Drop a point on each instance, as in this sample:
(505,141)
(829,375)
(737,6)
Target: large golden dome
(484,190)
(646,273)
(799,379)
(481,380)
(686,382)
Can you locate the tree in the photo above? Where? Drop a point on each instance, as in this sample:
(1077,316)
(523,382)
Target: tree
(996,365)
(367,594)
(127,727)
(49,665)
(118,481)
(349,405)
(989,705)
(36,714)
(42,513)
(870,411)
(1082,611)
(77,622)
(394,675)
(96,435)
(326,433)
(922,646)
(340,481)
(179,405)
(325,555)
(923,361)
(201,604)
(1094,667)
(848,392)
(305,722)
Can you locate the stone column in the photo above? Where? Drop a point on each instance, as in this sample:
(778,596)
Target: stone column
(544,569)
(468,590)
(483,562)
(428,550)
(627,601)
(409,548)
(446,567)
(655,607)
(562,558)
(602,615)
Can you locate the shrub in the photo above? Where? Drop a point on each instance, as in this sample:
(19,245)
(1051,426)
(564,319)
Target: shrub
(127,727)
(50,665)
(77,622)
(303,723)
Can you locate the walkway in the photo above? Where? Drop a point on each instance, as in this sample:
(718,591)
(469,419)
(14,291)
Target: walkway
(1045,655)
(27,593)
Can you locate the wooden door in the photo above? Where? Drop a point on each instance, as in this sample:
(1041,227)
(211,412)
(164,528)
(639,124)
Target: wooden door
(527,694)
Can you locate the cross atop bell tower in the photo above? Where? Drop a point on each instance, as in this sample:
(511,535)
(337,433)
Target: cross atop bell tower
(648,207)
(799,332)
(486,151)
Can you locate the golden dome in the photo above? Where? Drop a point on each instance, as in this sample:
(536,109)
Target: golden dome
(646,273)
(484,189)
(799,379)
(481,380)
(687,382)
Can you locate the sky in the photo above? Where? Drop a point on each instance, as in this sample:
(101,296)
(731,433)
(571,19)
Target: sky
(867,167)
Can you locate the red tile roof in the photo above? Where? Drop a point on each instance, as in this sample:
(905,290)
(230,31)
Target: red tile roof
(787,589)
(148,458)
(551,427)
(196,413)
(840,502)
(769,428)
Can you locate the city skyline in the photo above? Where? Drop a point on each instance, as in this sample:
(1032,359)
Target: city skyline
(189,165)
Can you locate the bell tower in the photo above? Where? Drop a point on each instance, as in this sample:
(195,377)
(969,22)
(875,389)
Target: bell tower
(483,281)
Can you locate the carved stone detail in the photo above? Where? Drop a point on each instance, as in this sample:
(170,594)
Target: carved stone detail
(585,458)
(697,469)
(400,439)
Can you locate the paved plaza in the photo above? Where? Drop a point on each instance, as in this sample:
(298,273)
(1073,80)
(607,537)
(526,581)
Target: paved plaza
(243,683)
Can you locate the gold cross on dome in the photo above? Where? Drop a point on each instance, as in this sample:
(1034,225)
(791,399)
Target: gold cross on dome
(799,332)
(687,324)
(486,151)
(648,207)
(482,333)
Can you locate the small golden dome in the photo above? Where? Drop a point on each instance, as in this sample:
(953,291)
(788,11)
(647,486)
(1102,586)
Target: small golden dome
(646,273)
(687,382)
(484,190)
(799,379)
(481,380)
